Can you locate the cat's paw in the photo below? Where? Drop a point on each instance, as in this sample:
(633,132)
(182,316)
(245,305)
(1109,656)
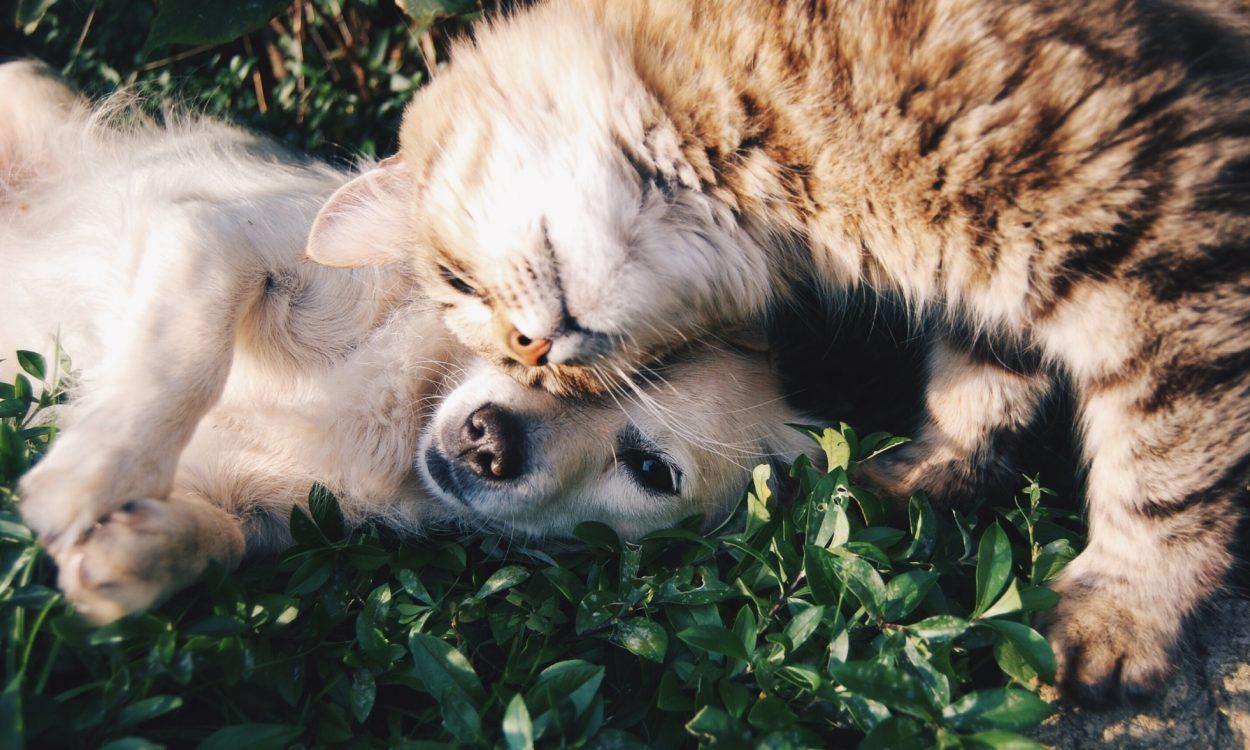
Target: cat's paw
(1109,651)
(131,559)
(946,478)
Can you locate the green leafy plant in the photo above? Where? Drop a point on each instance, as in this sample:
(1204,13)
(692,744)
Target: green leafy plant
(806,623)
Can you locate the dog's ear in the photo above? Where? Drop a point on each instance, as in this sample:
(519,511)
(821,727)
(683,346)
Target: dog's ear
(365,222)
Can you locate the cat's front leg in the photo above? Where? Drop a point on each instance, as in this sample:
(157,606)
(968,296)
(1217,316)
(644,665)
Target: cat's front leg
(976,403)
(166,366)
(1169,457)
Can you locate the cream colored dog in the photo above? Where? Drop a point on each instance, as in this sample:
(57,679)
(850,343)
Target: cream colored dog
(219,374)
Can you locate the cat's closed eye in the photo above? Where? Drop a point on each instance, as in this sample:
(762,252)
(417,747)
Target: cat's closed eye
(457,283)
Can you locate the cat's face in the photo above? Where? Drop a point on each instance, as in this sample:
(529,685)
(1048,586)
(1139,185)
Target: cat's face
(564,242)
(521,460)
(563,262)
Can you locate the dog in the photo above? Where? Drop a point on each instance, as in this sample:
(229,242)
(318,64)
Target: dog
(217,375)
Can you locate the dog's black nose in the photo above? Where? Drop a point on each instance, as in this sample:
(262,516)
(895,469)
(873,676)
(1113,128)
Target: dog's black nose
(491,443)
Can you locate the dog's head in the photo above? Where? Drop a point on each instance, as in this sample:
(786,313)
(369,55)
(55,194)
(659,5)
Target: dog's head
(683,442)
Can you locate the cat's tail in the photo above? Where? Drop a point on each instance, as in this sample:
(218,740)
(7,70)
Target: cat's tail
(36,106)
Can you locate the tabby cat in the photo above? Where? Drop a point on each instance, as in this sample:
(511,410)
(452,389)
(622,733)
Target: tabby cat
(594,183)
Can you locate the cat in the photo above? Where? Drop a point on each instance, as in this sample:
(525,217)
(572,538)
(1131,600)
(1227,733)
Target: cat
(217,375)
(592,183)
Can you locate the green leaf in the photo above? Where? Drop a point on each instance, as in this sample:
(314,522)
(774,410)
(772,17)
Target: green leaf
(311,575)
(805,622)
(940,628)
(877,443)
(923,523)
(827,573)
(1038,599)
(1051,559)
(252,736)
(896,688)
(33,363)
(1007,604)
(13,408)
(718,727)
(1012,661)
(1032,646)
(771,714)
(598,535)
(906,591)
(27,13)
(714,638)
(574,680)
(303,530)
(413,586)
(998,740)
(324,507)
(148,708)
(448,676)
(364,692)
(194,22)
(642,637)
(997,708)
(441,667)
(504,578)
(758,514)
(897,733)
(131,743)
(518,730)
(837,449)
(993,566)
(745,629)
(709,591)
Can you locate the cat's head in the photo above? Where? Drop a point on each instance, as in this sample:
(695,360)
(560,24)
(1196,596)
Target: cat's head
(545,202)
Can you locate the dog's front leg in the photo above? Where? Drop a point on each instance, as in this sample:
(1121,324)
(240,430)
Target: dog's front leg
(196,271)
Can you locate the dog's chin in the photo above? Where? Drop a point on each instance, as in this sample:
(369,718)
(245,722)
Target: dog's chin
(440,480)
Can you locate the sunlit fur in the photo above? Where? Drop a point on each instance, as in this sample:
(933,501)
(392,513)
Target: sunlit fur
(216,375)
(1064,181)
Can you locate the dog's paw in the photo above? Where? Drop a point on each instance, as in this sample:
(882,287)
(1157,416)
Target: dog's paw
(59,505)
(79,483)
(130,560)
(1107,650)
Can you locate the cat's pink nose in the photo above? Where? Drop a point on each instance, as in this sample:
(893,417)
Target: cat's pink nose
(531,352)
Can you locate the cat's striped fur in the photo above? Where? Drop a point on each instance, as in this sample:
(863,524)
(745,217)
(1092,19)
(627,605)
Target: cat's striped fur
(1069,181)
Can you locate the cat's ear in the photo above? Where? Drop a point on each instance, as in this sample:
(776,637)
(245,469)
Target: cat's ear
(365,222)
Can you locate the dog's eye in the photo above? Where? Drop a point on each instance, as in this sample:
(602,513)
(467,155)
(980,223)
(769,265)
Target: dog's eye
(457,283)
(651,471)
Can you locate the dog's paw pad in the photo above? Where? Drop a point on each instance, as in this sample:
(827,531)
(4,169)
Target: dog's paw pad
(126,562)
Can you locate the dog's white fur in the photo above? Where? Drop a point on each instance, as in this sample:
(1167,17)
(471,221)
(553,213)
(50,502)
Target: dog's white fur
(217,374)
